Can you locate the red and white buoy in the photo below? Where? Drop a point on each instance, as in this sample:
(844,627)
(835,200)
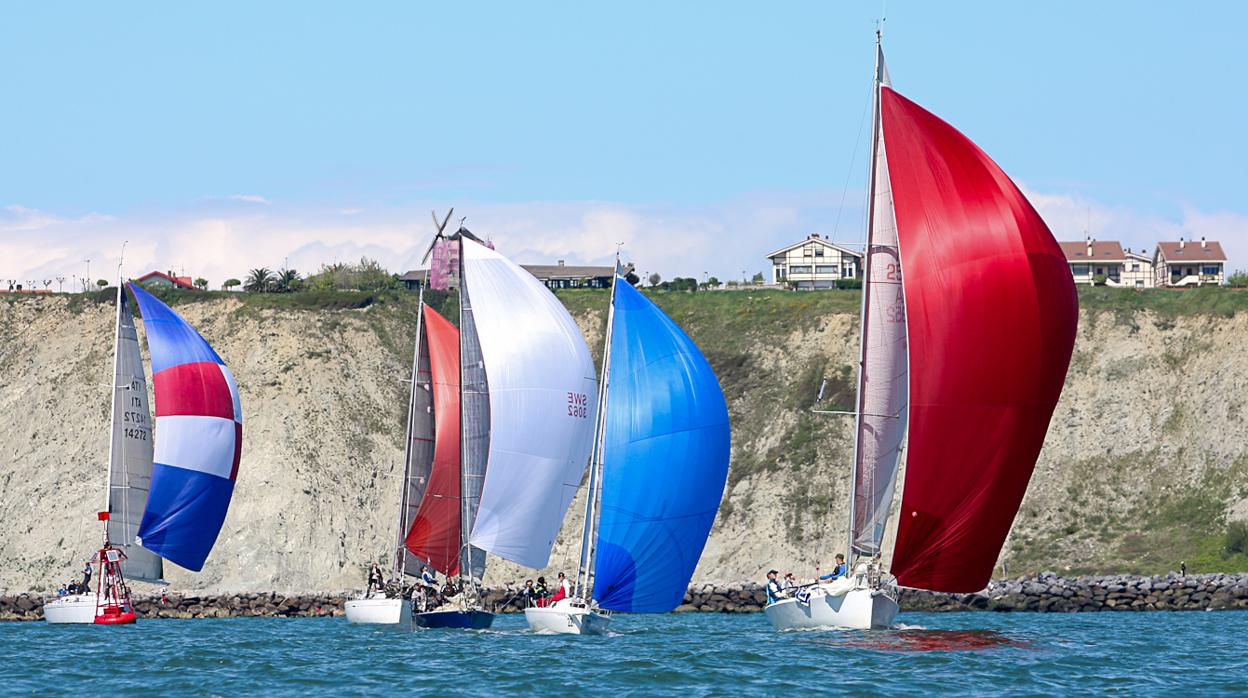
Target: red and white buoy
(112,604)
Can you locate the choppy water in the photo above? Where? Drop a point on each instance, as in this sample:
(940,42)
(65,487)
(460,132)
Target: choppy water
(691,654)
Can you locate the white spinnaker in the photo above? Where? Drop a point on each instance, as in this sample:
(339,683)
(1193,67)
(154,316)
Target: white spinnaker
(884,387)
(130,463)
(542,407)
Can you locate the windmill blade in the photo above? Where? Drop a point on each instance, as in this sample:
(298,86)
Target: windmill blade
(438,235)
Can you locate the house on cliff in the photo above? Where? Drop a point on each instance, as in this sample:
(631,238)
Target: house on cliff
(1179,264)
(1106,262)
(165,280)
(814,263)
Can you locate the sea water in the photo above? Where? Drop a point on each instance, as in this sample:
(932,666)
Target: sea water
(1173,653)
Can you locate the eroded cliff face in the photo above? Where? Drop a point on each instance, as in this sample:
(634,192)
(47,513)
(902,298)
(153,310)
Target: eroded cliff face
(1142,467)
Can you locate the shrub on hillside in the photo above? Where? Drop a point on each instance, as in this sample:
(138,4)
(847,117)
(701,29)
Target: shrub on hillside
(1237,537)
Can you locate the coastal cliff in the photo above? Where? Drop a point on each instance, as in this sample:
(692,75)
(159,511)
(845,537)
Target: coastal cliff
(1143,466)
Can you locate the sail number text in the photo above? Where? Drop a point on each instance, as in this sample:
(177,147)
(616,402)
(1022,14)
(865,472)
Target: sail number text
(578,405)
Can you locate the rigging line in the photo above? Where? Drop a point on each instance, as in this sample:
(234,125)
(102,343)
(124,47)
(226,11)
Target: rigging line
(853,158)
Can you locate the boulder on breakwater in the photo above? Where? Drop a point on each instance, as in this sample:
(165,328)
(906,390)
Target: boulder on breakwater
(1045,592)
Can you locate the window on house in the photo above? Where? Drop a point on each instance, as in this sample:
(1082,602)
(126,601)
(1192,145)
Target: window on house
(1139,283)
(818,251)
(1212,270)
(1135,267)
(825,269)
(809,251)
(1079,269)
(799,269)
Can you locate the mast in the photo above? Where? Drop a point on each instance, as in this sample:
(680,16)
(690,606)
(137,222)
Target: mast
(112,381)
(866,293)
(400,560)
(465,553)
(588,535)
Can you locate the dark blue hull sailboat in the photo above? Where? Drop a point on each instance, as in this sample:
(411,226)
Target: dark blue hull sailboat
(468,620)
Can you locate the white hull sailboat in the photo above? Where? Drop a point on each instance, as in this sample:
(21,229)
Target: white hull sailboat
(75,608)
(380,610)
(835,606)
(166,499)
(657,474)
(568,617)
(968,323)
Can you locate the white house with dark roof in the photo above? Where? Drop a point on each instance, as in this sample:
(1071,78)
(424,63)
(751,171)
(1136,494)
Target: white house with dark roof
(1137,269)
(1189,263)
(814,263)
(1095,260)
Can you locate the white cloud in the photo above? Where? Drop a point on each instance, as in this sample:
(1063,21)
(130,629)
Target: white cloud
(248,198)
(723,239)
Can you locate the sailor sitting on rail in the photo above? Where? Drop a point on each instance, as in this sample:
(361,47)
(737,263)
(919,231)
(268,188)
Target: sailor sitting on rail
(837,572)
(775,592)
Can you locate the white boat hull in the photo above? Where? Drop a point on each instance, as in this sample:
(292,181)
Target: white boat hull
(79,608)
(380,611)
(856,609)
(567,617)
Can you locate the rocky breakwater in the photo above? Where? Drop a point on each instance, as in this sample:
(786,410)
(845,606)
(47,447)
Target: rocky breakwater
(30,606)
(1047,592)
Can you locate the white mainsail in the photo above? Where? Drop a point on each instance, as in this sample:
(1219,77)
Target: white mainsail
(130,453)
(541,407)
(884,379)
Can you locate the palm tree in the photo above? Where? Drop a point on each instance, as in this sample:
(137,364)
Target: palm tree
(259,280)
(201,283)
(287,280)
(231,283)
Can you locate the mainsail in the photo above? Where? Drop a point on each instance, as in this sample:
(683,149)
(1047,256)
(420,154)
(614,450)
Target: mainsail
(665,459)
(991,314)
(199,435)
(541,415)
(434,537)
(882,388)
(130,454)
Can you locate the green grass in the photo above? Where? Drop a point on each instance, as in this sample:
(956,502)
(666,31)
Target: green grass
(1165,304)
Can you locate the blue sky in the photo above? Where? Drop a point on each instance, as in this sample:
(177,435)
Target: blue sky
(701,134)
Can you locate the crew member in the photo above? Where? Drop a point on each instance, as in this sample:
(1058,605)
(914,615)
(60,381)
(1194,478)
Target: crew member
(775,592)
(838,570)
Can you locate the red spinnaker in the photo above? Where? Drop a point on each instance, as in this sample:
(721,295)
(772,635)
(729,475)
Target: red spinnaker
(435,532)
(991,316)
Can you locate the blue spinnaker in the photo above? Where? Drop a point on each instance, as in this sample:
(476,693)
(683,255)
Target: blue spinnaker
(665,460)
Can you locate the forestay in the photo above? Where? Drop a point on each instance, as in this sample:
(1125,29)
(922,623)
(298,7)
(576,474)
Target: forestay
(130,456)
(540,377)
(199,434)
(991,317)
(665,459)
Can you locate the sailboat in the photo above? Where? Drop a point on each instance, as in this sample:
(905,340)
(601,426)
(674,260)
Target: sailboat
(167,492)
(660,463)
(420,459)
(968,323)
(500,430)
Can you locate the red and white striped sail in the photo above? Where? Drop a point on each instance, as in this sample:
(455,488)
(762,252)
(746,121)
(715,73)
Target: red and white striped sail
(990,314)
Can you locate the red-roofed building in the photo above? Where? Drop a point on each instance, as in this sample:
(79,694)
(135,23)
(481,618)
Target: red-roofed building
(1187,263)
(156,278)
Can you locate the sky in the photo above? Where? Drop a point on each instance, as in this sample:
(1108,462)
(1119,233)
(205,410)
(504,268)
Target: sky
(219,137)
